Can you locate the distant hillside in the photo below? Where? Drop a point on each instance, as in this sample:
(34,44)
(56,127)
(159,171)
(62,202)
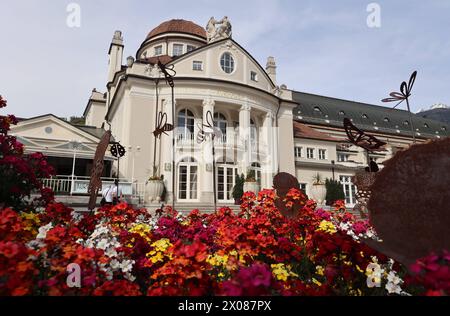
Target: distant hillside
(438,114)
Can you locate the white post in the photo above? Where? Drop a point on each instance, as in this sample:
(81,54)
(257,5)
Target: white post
(75,146)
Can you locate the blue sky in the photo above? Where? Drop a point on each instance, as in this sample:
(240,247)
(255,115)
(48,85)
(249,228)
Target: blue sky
(322,47)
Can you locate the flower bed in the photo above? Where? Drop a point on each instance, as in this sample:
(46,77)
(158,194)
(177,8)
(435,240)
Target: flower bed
(122,251)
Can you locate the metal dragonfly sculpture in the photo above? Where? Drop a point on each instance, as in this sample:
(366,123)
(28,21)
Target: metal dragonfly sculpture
(403,95)
(210,132)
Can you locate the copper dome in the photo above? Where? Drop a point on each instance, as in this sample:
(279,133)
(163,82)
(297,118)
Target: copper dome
(178,26)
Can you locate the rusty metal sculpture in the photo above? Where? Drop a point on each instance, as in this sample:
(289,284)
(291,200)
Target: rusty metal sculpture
(161,125)
(209,131)
(95,182)
(365,177)
(403,95)
(409,206)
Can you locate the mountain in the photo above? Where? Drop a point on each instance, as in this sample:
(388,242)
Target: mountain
(438,112)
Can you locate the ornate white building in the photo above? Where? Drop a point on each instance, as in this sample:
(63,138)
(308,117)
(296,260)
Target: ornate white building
(263,126)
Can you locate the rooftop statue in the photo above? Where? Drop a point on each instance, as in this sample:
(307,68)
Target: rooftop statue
(217,30)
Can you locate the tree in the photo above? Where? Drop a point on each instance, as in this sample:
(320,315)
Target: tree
(76,120)
(20,173)
(335,191)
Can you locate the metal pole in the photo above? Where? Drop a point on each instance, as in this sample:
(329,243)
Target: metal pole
(173,150)
(118,176)
(214,174)
(411,119)
(156,124)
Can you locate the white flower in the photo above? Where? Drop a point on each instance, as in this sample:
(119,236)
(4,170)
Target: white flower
(393,278)
(111,252)
(115,264)
(126,266)
(129,277)
(393,288)
(44,230)
(103,244)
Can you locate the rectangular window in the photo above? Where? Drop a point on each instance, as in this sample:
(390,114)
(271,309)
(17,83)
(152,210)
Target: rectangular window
(298,152)
(177,49)
(158,50)
(197,65)
(322,154)
(343,157)
(190,48)
(253,76)
(310,153)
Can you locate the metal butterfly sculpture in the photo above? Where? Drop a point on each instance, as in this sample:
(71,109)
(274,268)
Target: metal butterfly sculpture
(208,130)
(403,95)
(363,140)
(168,73)
(162,126)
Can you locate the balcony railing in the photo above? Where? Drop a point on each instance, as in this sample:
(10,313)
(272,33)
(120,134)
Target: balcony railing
(65,185)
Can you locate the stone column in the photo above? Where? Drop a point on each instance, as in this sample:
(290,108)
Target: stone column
(269,166)
(206,162)
(244,137)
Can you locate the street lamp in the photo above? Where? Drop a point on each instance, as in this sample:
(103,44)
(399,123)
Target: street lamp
(332,167)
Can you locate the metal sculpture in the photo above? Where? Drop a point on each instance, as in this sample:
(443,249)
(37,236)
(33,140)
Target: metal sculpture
(403,95)
(363,140)
(209,131)
(160,128)
(118,151)
(95,182)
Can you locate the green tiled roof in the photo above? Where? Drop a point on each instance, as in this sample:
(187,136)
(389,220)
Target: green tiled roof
(316,109)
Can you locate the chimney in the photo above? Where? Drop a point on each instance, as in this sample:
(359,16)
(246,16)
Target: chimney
(115,55)
(271,69)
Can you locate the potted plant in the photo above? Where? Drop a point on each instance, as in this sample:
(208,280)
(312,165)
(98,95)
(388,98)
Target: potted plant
(238,189)
(155,187)
(335,192)
(250,184)
(318,190)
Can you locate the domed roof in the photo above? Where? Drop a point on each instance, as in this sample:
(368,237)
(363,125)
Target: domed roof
(178,26)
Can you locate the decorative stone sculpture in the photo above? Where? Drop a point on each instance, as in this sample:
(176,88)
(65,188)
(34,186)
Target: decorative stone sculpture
(217,30)
(409,206)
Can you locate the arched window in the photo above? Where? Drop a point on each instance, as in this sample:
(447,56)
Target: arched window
(221,122)
(227,63)
(188,179)
(185,125)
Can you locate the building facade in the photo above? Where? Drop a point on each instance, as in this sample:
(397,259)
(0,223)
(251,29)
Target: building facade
(260,125)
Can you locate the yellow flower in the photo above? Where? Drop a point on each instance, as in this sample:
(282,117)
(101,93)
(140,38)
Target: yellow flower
(282,272)
(316,282)
(157,257)
(143,230)
(327,227)
(320,270)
